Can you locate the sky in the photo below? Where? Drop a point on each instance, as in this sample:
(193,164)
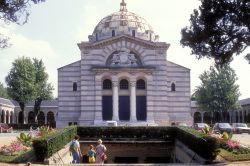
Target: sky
(56,26)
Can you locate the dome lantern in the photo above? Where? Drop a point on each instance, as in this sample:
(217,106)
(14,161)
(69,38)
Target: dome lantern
(123,6)
(123,22)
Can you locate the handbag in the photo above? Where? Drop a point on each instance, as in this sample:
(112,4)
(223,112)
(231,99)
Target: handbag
(104,157)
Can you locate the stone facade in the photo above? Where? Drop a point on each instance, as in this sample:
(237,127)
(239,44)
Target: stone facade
(118,52)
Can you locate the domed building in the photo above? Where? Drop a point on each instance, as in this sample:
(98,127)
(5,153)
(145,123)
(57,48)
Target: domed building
(123,77)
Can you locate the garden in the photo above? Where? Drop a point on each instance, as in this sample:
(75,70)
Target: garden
(42,143)
(21,149)
(230,150)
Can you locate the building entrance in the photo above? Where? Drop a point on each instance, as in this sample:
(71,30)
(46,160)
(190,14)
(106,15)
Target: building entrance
(124,108)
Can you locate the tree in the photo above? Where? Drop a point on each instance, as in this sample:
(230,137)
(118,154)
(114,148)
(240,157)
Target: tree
(21,81)
(14,11)
(43,88)
(219,29)
(3,91)
(218,91)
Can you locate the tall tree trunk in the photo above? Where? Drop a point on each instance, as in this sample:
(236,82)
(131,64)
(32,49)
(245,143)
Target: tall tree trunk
(37,108)
(222,116)
(22,105)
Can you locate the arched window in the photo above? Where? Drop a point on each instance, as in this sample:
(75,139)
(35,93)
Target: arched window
(113,33)
(107,84)
(173,87)
(133,33)
(140,84)
(124,84)
(74,86)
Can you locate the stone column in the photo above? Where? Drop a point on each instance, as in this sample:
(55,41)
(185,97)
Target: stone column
(239,116)
(133,101)
(8,118)
(115,101)
(202,117)
(45,116)
(242,115)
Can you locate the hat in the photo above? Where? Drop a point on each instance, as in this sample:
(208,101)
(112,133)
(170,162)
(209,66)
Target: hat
(99,141)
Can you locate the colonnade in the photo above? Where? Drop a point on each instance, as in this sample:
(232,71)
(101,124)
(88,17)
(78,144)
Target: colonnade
(115,97)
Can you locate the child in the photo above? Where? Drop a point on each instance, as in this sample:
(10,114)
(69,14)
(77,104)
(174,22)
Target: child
(91,154)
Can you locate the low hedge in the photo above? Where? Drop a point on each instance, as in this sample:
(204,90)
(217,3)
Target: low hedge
(24,126)
(46,146)
(202,144)
(127,132)
(19,158)
(229,156)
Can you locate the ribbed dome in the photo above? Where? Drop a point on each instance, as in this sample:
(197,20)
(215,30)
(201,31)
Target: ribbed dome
(123,23)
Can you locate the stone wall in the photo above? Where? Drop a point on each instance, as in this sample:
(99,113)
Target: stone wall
(68,100)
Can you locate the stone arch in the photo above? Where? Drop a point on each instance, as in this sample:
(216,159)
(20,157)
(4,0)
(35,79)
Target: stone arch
(248,117)
(11,117)
(245,115)
(51,119)
(41,118)
(124,75)
(197,117)
(141,76)
(31,117)
(207,117)
(21,117)
(2,116)
(226,116)
(216,117)
(236,116)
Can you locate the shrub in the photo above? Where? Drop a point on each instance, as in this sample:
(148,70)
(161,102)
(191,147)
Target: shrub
(21,157)
(46,146)
(127,132)
(239,155)
(204,145)
(23,126)
(26,140)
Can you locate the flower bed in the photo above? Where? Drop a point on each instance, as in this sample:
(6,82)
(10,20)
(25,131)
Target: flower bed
(21,149)
(230,150)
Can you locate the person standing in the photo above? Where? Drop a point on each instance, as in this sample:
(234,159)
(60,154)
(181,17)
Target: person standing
(91,154)
(100,152)
(75,150)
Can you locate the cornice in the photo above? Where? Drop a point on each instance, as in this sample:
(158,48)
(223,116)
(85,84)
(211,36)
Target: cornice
(116,70)
(103,43)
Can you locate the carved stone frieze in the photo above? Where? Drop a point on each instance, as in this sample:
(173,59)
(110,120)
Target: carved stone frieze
(123,59)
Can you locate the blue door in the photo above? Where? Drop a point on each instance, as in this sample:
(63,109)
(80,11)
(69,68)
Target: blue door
(141,108)
(124,108)
(107,108)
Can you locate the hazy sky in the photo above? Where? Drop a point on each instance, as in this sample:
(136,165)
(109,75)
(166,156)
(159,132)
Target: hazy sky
(56,26)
